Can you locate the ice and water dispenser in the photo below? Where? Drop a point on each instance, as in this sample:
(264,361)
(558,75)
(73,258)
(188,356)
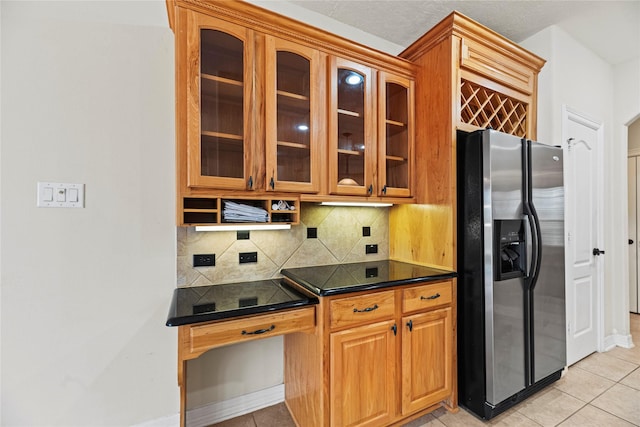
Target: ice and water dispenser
(510,248)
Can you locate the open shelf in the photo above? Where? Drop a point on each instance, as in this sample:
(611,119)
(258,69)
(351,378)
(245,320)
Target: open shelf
(210,210)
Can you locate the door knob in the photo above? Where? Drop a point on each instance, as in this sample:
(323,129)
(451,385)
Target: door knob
(630,241)
(597,252)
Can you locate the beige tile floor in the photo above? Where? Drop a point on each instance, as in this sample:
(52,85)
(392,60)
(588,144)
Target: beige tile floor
(602,390)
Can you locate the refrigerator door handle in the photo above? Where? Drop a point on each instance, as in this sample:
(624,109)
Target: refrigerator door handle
(532,215)
(537,245)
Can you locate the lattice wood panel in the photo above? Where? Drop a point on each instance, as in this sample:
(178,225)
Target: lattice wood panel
(484,108)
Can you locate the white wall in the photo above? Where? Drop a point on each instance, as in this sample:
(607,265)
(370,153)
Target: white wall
(579,79)
(87,97)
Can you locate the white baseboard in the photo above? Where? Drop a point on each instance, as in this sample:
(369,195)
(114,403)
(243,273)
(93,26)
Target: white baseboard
(220,411)
(617,340)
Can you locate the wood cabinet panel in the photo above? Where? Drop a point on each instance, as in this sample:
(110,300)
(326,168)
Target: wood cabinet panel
(351,130)
(219,58)
(485,61)
(363,375)
(202,337)
(426,359)
(426,296)
(395,135)
(295,118)
(360,309)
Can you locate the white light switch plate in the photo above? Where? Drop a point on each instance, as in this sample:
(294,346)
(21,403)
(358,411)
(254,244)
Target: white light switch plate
(60,195)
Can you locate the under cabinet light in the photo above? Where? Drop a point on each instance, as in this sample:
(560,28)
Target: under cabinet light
(358,204)
(240,227)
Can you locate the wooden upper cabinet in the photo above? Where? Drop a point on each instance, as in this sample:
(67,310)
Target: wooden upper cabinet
(294,96)
(491,80)
(395,135)
(352,144)
(270,108)
(219,58)
(469,78)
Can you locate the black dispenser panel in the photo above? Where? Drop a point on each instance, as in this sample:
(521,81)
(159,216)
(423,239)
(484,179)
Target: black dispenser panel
(510,248)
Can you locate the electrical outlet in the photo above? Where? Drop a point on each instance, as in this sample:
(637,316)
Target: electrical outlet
(371,249)
(242,235)
(204,260)
(245,257)
(366,231)
(312,233)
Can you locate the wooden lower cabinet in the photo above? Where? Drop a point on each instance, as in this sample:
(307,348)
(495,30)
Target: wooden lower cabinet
(426,359)
(363,362)
(389,358)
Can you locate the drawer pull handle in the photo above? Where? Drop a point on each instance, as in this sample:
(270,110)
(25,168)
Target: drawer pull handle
(365,310)
(431,297)
(259,331)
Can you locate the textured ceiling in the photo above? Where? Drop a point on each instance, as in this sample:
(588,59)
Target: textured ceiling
(610,28)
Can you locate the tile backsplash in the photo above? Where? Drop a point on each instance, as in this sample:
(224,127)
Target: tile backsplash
(339,232)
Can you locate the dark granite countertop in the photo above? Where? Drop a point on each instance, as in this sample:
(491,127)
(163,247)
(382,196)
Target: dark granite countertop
(206,303)
(335,279)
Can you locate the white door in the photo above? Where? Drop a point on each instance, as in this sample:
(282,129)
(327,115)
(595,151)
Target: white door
(632,168)
(583,177)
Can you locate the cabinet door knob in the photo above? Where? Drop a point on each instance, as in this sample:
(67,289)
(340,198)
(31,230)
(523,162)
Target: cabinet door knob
(370,190)
(394,328)
(410,325)
(384,189)
(250,184)
(272,184)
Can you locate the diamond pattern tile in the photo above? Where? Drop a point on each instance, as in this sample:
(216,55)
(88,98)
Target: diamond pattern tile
(339,241)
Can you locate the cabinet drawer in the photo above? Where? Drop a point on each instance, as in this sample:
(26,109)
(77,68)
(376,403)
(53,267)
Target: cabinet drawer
(487,62)
(362,308)
(425,296)
(211,335)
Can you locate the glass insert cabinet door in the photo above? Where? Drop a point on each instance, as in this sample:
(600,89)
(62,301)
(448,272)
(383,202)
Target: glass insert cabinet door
(218,104)
(294,91)
(395,133)
(352,142)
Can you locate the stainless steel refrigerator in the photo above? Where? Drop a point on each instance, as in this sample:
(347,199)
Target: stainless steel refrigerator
(511,287)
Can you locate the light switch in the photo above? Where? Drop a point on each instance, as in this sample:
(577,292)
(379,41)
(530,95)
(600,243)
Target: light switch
(47,194)
(60,195)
